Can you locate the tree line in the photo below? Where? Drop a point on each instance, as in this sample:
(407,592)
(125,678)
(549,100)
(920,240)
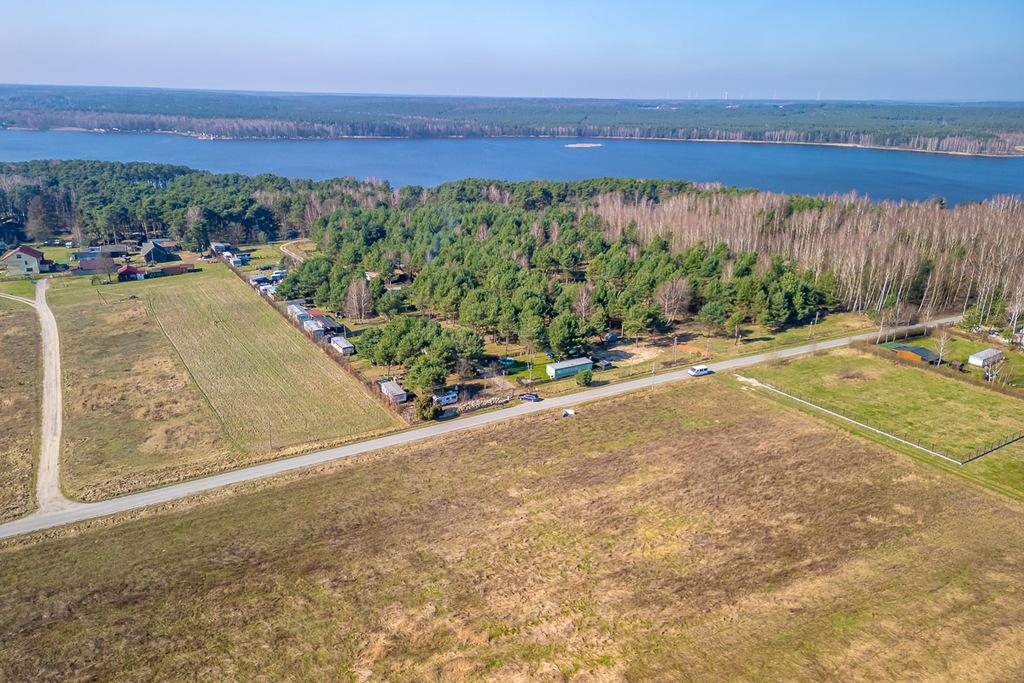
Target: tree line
(973,128)
(552,264)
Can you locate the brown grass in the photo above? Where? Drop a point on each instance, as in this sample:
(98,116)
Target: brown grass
(19,406)
(659,537)
(177,377)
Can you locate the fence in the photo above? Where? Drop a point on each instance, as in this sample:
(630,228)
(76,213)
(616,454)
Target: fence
(900,438)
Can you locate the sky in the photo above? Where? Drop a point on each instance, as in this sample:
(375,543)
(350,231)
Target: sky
(790,49)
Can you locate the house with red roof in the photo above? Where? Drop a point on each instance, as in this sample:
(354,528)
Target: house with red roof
(130,272)
(25,260)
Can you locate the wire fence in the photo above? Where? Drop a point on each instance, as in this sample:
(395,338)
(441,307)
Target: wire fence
(896,435)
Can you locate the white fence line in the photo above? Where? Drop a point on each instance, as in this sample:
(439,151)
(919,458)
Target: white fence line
(856,422)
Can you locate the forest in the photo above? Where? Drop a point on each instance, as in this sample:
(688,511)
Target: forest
(552,264)
(969,128)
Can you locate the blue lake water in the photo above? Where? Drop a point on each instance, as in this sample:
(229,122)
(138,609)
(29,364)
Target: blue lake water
(780,168)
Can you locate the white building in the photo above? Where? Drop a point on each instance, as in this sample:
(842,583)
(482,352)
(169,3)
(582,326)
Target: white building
(298,312)
(25,261)
(986,358)
(394,391)
(568,368)
(343,346)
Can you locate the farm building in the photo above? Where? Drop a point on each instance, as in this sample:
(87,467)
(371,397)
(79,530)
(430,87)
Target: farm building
(25,260)
(986,358)
(169,245)
(129,272)
(916,354)
(343,346)
(102,251)
(174,269)
(568,368)
(153,252)
(447,398)
(394,391)
(95,265)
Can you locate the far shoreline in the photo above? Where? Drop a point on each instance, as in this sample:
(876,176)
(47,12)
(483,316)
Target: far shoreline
(206,137)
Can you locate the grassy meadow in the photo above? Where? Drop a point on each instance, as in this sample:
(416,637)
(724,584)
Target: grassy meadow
(686,542)
(20,396)
(181,376)
(938,412)
(22,288)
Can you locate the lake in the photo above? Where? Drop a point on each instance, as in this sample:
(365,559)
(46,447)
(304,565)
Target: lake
(780,168)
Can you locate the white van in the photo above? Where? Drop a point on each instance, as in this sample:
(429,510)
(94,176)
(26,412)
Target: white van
(699,370)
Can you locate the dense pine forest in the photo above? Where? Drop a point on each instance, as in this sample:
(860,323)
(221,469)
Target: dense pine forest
(557,261)
(977,128)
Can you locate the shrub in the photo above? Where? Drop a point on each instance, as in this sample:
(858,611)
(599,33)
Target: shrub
(584,378)
(426,409)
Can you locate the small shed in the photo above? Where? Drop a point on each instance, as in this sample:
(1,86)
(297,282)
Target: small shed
(394,391)
(314,326)
(568,368)
(343,346)
(298,312)
(986,358)
(916,354)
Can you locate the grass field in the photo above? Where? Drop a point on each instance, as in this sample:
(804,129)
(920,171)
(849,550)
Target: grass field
(687,542)
(20,368)
(951,417)
(180,376)
(960,349)
(22,288)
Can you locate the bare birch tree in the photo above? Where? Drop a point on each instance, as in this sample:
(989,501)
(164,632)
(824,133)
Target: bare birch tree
(674,298)
(357,302)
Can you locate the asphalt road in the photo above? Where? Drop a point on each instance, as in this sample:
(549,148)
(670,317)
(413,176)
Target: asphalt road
(78,512)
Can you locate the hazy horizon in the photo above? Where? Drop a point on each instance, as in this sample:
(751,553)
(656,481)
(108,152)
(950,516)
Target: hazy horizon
(943,51)
(251,91)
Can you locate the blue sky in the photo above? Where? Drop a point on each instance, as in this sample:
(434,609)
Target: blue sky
(901,49)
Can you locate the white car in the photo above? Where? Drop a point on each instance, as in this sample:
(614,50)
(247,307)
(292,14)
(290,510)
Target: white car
(699,370)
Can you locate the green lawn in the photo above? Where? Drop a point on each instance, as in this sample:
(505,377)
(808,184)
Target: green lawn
(941,413)
(959,349)
(22,288)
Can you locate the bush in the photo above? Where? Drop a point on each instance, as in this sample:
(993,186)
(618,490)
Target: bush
(426,409)
(584,378)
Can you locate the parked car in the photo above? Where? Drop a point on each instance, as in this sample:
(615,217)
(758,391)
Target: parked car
(699,370)
(532,398)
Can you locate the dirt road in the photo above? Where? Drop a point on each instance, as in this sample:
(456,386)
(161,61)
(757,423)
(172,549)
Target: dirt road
(49,498)
(55,515)
(288,248)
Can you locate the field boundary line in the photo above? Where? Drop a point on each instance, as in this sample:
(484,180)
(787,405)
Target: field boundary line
(754,382)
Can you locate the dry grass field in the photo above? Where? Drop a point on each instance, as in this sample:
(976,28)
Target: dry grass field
(180,376)
(698,533)
(20,368)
